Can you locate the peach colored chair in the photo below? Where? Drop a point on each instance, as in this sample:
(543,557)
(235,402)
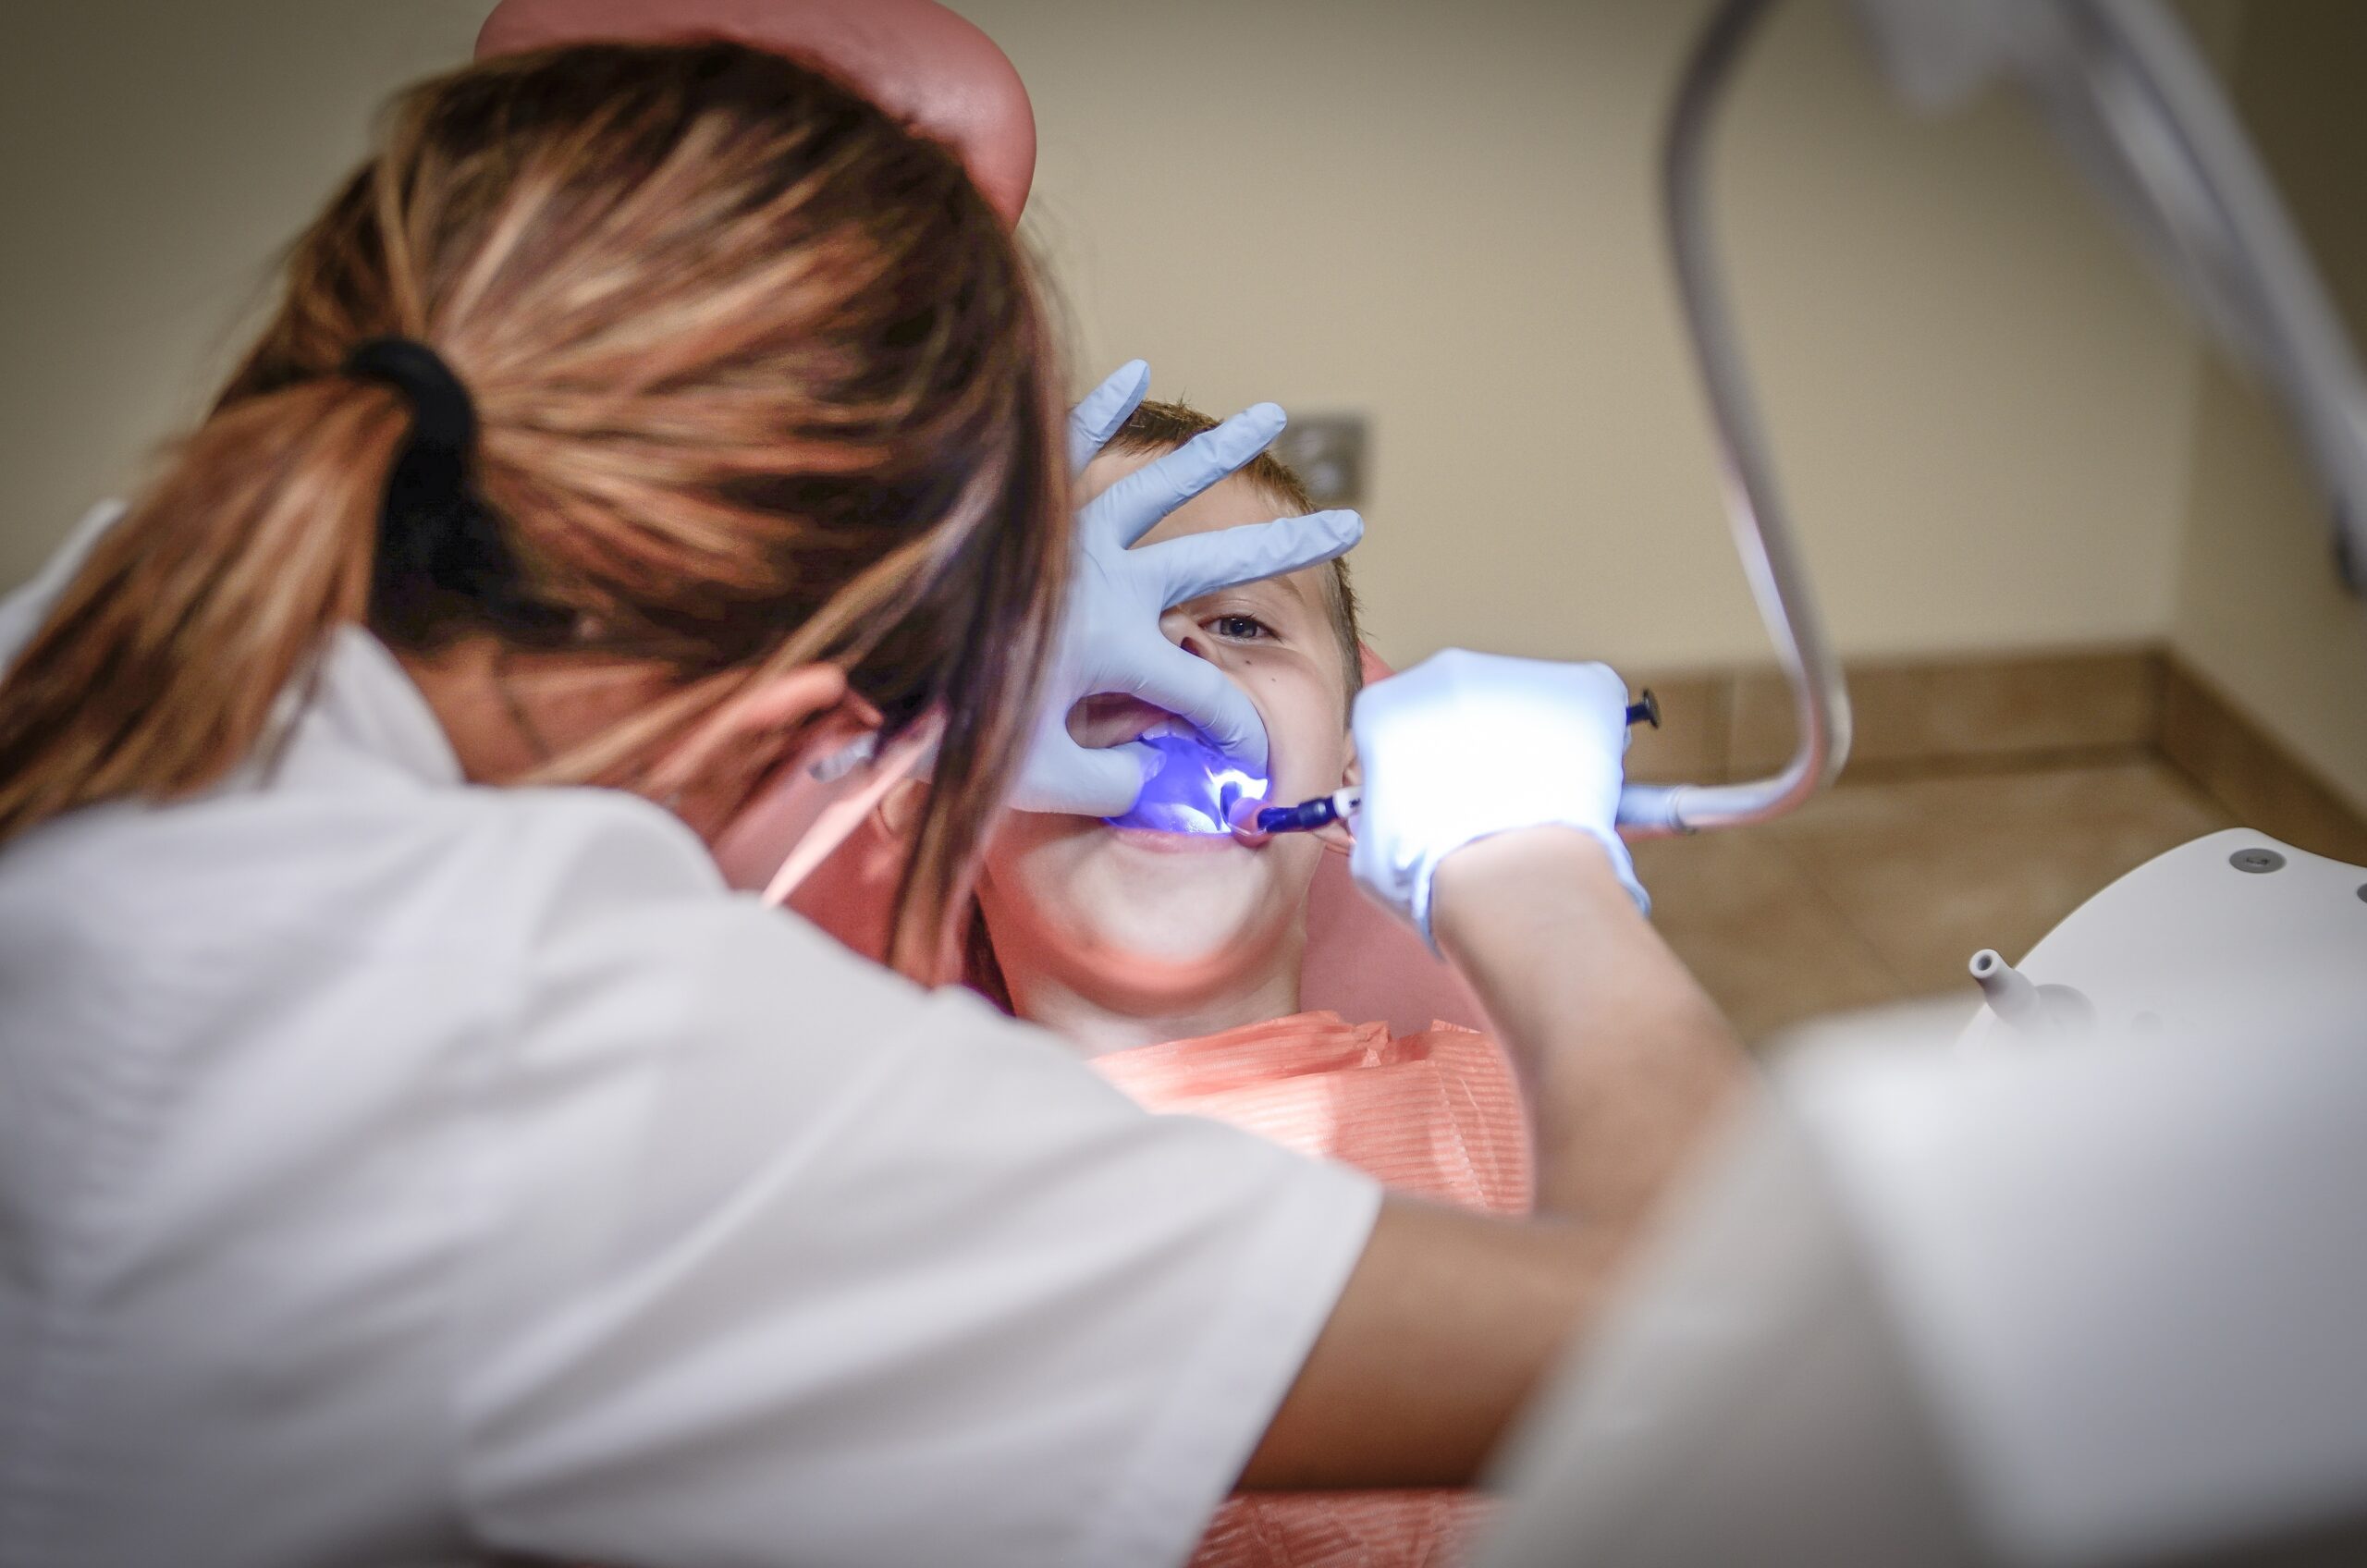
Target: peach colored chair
(1360,962)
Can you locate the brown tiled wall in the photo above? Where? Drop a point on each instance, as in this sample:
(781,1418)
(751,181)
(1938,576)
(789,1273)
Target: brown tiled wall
(1966,710)
(2208,739)
(1916,718)
(2006,710)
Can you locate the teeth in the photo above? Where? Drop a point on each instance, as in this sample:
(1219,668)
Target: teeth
(1166,727)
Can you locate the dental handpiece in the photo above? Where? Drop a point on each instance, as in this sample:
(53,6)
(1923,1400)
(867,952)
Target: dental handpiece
(1305,817)
(1325,810)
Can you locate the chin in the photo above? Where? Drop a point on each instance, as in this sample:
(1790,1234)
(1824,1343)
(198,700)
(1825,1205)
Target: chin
(1192,899)
(1163,896)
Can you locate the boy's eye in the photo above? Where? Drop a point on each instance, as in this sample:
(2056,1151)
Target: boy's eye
(1239,628)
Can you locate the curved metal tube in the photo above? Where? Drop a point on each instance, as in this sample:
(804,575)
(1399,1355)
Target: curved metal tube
(1762,531)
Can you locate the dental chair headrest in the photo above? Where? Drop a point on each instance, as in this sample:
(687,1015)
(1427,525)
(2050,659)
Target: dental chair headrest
(912,57)
(1360,962)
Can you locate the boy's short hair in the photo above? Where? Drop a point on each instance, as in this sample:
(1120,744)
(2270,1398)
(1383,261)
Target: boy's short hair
(1162,427)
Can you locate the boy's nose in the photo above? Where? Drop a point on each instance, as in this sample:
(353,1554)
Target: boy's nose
(1185,633)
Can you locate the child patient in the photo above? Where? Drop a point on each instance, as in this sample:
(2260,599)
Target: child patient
(1173,961)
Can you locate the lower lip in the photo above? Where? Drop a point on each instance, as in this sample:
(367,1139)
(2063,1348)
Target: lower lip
(1175,843)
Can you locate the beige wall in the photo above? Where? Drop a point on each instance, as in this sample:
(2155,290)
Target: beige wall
(1443,215)
(154,156)
(2258,609)
(1440,215)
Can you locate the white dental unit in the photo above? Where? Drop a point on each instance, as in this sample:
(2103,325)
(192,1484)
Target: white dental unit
(2085,1284)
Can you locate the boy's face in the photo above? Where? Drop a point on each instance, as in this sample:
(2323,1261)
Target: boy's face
(1050,881)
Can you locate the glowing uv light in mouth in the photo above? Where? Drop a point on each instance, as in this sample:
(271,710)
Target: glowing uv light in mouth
(1192,788)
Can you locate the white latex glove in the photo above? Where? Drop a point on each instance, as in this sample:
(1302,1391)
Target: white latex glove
(1110,641)
(1463,745)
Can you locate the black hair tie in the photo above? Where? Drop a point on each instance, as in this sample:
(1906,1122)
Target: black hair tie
(444,422)
(441,560)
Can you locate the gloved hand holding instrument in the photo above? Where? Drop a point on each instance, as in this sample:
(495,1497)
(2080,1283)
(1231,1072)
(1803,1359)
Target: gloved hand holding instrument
(1465,745)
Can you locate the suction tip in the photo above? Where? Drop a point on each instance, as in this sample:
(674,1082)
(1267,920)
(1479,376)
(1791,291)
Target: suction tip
(1242,812)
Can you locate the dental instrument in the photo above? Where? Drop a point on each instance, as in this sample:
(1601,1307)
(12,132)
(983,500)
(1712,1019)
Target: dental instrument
(1304,817)
(1251,814)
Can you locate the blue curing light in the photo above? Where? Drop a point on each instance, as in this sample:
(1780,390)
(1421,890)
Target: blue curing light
(1192,788)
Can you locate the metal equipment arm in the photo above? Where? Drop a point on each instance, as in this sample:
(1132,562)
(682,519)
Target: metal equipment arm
(2137,110)
(1762,530)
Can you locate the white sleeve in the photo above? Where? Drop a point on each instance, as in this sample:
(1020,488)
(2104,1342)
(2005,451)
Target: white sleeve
(23,609)
(783,1260)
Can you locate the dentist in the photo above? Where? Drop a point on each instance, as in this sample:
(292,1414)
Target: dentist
(411,1151)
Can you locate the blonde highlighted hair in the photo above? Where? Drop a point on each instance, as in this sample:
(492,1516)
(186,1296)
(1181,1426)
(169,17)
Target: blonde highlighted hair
(760,379)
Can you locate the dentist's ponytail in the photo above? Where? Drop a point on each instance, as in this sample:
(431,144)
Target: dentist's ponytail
(756,379)
(157,672)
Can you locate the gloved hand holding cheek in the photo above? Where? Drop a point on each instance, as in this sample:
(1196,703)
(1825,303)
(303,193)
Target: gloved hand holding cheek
(1110,641)
(1464,746)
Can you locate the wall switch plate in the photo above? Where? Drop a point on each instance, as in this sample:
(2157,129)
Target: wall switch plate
(1326,451)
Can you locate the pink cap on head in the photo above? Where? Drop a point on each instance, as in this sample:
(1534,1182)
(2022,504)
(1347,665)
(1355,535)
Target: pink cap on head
(912,57)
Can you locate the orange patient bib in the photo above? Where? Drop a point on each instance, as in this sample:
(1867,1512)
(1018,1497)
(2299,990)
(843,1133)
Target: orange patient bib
(1437,1113)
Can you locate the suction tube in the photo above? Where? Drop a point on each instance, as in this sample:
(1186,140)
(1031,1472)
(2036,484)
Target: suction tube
(1762,530)
(2138,111)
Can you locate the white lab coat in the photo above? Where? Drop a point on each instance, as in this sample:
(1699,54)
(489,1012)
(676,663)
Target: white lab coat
(398,1170)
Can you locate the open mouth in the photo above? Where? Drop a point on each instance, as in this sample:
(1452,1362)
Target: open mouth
(1107,720)
(1192,787)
